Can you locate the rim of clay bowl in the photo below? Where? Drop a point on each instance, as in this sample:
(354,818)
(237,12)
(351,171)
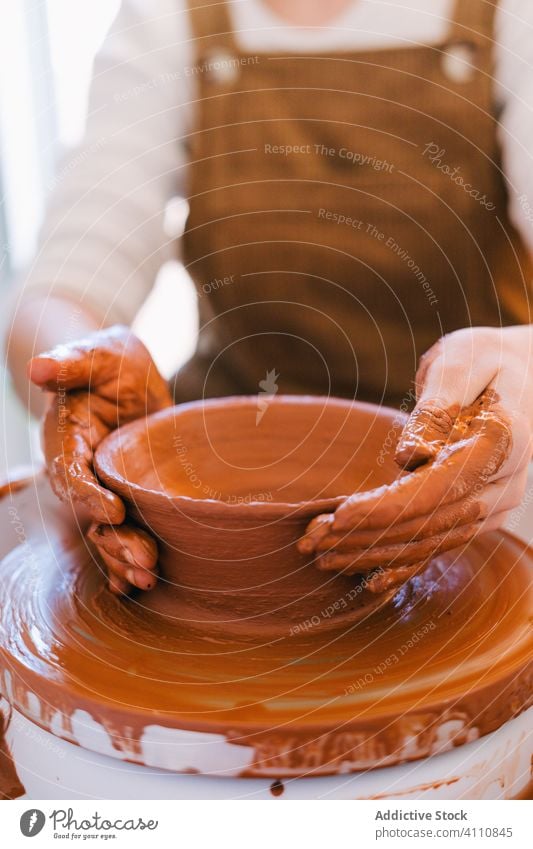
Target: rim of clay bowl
(109,475)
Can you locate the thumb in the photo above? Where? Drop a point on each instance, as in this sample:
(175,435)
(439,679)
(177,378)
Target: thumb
(451,375)
(78,363)
(426,431)
(70,364)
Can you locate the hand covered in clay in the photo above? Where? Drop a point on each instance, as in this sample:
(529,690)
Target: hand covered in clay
(99,383)
(465,450)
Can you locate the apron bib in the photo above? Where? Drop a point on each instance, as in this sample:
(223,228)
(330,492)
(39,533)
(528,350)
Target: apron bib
(346,211)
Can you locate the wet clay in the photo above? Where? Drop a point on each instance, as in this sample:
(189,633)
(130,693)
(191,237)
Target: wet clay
(228,494)
(448,660)
(450,456)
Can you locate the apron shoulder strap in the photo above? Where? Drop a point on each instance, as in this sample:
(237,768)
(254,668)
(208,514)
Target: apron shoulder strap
(473,21)
(211,26)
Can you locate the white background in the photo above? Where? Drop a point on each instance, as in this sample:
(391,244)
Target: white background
(302,825)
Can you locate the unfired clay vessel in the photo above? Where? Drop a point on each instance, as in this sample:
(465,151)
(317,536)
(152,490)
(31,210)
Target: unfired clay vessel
(228,486)
(443,675)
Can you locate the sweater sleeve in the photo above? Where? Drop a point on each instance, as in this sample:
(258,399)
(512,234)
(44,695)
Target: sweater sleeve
(514,81)
(103,239)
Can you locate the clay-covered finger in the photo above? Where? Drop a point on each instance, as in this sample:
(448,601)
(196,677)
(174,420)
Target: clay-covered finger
(317,530)
(443,519)
(441,390)
(122,575)
(133,550)
(495,498)
(116,573)
(69,434)
(382,580)
(117,585)
(114,363)
(364,560)
(73,481)
(74,423)
(424,434)
(122,578)
(505,493)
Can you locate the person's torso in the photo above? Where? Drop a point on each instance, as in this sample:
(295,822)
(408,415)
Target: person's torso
(346,209)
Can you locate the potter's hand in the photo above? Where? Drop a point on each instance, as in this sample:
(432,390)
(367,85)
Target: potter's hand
(465,448)
(99,383)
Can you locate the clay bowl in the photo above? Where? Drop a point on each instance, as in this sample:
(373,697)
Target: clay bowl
(228,486)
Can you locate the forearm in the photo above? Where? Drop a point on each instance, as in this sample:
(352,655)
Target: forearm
(103,239)
(38,324)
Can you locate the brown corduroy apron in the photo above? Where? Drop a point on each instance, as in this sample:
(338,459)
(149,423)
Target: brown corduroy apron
(346,210)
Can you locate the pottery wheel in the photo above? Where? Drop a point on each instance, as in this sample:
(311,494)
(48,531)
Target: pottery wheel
(448,660)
